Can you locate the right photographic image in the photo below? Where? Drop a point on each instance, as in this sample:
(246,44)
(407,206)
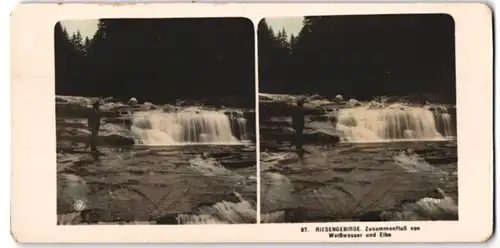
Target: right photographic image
(357,118)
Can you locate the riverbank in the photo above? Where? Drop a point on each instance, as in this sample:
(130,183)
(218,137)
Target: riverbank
(360,182)
(162,185)
(154,165)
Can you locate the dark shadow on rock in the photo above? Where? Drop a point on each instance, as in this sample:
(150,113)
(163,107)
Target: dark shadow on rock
(238,164)
(116,140)
(370,216)
(93,216)
(170,219)
(96,156)
(344,169)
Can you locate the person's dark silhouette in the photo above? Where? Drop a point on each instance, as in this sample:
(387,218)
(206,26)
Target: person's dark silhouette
(96,157)
(298,122)
(94,122)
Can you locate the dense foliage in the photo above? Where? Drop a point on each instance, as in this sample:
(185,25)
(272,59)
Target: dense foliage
(361,57)
(159,60)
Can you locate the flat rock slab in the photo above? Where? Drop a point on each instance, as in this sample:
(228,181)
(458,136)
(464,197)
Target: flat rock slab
(143,184)
(351,181)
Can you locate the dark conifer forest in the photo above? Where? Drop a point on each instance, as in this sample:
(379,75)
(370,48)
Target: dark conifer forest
(361,57)
(159,60)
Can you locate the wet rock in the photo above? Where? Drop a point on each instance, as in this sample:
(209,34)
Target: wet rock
(148,105)
(273,217)
(272,109)
(71,110)
(338,99)
(70,189)
(353,103)
(79,111)
(299,214)
(322,137)
(344,169)
(93,216)
(286,134)
(169,219)
(375,105)
(321,118)
(109,113)
(316,97)
(60,100)
(116,140)
(118,120)
(268,110)
(69,218)
(276,191)
(235,164)
(437,160)
(221,154)
(169,108)
(132,101)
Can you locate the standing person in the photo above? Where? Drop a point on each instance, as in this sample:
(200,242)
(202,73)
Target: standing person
(298,122)
(94,122)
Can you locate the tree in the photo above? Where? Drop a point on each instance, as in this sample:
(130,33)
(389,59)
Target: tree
(161,60)
(68,60)
(362,57)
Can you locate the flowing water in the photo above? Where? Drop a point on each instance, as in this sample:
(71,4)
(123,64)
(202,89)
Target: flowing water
(389,162)
(189,126)
(222,212)
(393,180)
(156,165)
(395,123)
(188,184)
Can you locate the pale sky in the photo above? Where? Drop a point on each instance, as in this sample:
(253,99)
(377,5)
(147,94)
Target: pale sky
(292,25)
(86,27)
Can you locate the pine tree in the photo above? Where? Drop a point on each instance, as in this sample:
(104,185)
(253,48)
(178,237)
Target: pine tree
(161,59)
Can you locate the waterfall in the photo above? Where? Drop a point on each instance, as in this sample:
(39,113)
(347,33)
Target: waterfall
(395,122)
(188,126)
(444,122)
(222,212)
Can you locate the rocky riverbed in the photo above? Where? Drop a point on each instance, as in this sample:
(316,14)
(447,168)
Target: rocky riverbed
(323,115)
(360,182)
(161,185)
(344,179)
(127,183)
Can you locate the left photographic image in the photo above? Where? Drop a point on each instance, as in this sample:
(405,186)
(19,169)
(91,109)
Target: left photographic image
(155,121)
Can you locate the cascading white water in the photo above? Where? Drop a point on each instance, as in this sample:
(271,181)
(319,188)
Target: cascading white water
(188,126)
(395,122)
(242,127)
(222,213)
(443,121)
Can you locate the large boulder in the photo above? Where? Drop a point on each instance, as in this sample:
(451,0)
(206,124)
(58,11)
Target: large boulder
(353,103)
(321,118)
(132,101)
(116,140)
(338,99)
(322,137)
(148,106)
(375,105)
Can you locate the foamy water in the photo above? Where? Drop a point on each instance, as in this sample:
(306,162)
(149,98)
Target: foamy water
(188,126)
(222,213)
(74,188)
(276,193)
(414,163)
(70,189)
(211,167)
(393,123)
(426,208)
